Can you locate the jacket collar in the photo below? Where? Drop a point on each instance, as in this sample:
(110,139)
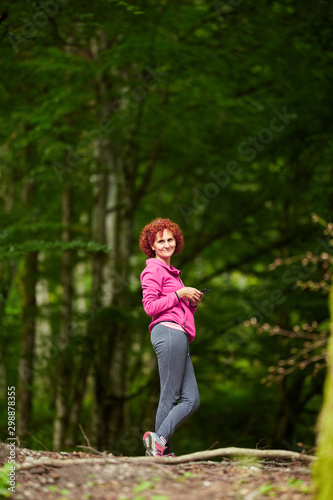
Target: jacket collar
(157,262)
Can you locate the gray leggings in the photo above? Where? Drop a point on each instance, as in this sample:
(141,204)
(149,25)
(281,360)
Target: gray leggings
(179,396)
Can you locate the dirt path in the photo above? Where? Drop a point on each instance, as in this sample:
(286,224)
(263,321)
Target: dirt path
(87,478)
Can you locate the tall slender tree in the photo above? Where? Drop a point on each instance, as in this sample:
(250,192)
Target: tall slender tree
(323,481)
(65,363)
(27,353)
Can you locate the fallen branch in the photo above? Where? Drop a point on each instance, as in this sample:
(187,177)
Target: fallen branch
(192,457)
(47,462)
(91,449)
(239,452)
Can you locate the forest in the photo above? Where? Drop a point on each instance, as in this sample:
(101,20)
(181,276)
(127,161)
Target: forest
(216,115)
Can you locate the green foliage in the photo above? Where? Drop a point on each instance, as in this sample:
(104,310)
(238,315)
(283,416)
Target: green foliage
(148,485)
(298,484)
(189,474)
(4,492)
(272,491)
(64,492)
(53,487)
(14,251)
(269,490)
(145,485)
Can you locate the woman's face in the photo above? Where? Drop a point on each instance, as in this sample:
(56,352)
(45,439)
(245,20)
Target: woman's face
(164,245)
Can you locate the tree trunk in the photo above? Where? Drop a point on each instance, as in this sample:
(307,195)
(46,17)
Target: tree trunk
(103,288)
(119,334)
(112,351)
(289,389)
(111,335)
(323,469)
(290,407)
(96,330)
(7,274)
(83,365)
(26,363)
(65,363)
(78,395)
(8,268)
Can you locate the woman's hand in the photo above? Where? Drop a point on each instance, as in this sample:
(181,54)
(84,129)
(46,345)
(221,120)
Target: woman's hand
(193,294)
(194,303)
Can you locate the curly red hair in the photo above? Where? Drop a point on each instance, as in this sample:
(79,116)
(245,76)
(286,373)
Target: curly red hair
(149,232)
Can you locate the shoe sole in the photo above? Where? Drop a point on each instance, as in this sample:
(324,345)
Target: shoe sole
(148,442)
(146,434)
(149,445)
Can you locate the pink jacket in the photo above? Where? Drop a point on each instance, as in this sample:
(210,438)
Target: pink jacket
(159,284)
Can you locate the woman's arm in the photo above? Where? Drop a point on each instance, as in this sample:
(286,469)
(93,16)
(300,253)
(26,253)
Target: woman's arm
(151,290)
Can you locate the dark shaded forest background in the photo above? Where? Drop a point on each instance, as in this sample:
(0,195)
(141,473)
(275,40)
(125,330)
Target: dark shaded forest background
(217,115)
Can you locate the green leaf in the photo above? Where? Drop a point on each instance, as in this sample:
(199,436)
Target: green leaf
(145,485)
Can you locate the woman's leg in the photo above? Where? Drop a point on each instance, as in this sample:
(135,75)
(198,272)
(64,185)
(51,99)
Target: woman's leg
(179,396)
(189,402)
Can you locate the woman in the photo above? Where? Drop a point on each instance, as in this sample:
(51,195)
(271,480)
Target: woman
(171,305)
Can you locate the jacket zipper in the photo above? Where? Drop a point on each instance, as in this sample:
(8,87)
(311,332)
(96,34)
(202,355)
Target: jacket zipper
(182,304)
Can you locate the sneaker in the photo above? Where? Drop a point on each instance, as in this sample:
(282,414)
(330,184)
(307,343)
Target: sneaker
(154,445)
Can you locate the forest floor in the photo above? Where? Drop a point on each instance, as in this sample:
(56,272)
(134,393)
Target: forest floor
(78,475)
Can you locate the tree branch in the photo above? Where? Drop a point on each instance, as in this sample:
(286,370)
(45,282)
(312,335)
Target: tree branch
(191,457)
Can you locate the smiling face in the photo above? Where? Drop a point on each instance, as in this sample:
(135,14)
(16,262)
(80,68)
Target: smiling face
(164,246)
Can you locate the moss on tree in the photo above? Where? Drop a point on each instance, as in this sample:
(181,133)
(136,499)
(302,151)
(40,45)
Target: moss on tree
(323,477)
